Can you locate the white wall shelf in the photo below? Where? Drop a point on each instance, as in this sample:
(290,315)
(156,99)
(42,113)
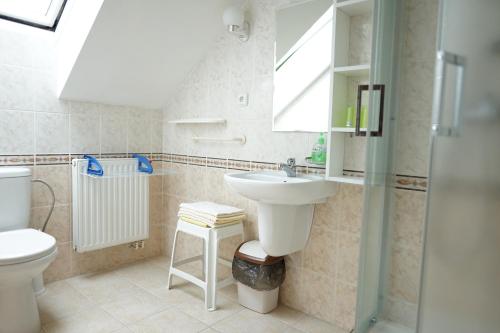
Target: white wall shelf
(239,139)
(346,78)
(346,129)
(355,7)
(198,121)
(353,71)
(347,180)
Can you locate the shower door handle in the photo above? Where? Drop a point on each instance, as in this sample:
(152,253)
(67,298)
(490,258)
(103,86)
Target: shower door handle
(446,58)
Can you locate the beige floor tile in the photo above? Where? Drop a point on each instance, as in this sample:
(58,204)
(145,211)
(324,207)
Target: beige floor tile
(61,300)
(145,275)
(101,287)
(134,305)
(247,321)
(195,307)
(171,320)
(160,261)
(230,292)
(94,320)
(123,330)
(209,330)
(285,314)
(310,324)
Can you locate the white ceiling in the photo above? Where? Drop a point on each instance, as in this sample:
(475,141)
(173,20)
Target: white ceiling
(138,51)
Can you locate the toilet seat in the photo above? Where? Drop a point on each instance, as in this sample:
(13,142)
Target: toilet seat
(24,245)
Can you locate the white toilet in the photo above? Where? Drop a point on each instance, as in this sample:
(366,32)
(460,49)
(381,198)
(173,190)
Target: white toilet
(24,253)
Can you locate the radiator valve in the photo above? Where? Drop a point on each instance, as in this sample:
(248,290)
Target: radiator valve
(137,245)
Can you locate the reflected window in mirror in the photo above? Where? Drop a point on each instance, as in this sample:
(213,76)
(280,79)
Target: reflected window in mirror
(302,66)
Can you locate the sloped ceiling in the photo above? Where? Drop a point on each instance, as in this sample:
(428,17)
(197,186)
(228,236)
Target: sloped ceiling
(137,52)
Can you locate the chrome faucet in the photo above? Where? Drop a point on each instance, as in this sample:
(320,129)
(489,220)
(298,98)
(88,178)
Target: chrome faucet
(289,167)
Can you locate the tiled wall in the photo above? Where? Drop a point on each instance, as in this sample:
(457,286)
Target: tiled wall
(322,278)
(40,131)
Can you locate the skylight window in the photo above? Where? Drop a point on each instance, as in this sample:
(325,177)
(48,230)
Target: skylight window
(42,14)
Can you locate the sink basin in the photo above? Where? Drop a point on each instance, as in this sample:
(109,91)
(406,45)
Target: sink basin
(285,206)
(275,187)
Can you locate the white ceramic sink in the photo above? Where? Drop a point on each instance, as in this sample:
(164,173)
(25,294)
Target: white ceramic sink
(285,206)
(275,187)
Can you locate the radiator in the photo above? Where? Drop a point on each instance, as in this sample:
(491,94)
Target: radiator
(111,209)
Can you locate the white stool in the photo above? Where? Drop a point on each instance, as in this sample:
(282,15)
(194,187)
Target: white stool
(211,238)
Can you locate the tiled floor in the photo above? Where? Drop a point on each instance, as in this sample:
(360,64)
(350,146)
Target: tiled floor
(134,298)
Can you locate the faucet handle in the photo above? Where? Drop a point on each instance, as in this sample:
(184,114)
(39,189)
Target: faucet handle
(290,162)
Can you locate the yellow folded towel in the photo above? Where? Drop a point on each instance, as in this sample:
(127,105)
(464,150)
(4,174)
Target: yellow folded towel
(210,213)
(201,224)
(212,209)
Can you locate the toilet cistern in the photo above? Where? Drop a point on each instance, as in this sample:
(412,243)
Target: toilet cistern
(285,206)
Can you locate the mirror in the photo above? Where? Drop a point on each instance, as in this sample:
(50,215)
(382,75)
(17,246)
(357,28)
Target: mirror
(302,66)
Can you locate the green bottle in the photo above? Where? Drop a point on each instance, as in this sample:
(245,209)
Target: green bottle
(318,154)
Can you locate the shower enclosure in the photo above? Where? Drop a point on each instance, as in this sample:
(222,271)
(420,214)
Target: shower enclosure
(459,289)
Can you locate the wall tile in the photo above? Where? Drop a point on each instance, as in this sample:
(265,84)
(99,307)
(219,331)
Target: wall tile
(60,268)
(345,306)
(405,273)
(85,129)
(52,133)
(44,93)
(412,156)
(408,218)
(58,176)
(420,43)
(320,295)
(139,132)
(16,132)
(114,130)
(16,88)
(16,48)
(59,224)
(319,254)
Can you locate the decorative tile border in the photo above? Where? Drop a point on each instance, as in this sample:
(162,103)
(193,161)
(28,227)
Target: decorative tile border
(353,173)
(12,160)
(404,182)
(414,183)
(259,166)
(197,160)
(50,159)
(239,165)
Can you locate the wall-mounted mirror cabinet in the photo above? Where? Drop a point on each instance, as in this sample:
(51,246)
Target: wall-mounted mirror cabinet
(302,66)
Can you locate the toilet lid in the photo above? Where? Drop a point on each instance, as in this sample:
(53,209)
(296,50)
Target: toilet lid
(18,246)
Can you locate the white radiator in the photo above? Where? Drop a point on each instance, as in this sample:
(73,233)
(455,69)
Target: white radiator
(111,209)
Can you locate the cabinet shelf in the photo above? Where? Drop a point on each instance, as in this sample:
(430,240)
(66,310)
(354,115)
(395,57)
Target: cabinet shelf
(347,180)
(346,129)
(353,71)
(355,7)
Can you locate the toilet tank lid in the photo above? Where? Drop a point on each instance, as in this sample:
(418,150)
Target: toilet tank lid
(11,172)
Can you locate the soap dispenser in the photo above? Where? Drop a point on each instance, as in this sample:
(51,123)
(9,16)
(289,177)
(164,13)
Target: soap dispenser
(318,155)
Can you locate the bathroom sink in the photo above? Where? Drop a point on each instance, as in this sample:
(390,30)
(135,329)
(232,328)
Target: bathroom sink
(275,187)
(285,206)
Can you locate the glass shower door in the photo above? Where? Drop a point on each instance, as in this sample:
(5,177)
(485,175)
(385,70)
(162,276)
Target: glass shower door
(460,289)
(382,99)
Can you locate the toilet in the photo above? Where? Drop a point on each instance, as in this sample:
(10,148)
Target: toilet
(24,253)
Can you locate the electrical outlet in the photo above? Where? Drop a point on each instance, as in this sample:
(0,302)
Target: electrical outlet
(243,99)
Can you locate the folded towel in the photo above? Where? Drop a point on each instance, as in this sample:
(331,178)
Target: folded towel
(205,225)
(212,209)
(210,221)
(210,214)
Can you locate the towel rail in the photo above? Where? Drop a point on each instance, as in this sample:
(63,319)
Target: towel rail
(239,139)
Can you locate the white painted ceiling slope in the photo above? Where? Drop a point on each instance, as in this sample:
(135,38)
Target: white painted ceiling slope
(137,52)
